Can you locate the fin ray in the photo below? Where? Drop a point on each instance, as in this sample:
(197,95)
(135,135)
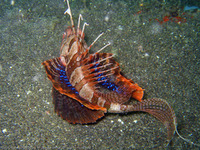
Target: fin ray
(62,84)
(74,112)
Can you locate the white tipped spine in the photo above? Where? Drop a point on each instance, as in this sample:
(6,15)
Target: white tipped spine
(68,11)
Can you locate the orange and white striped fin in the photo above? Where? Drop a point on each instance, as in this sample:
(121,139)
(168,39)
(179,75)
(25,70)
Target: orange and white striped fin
(57,75)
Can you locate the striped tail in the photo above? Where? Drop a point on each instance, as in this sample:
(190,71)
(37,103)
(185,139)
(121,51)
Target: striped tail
(159,108)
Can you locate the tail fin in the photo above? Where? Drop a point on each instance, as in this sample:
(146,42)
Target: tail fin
(160,109)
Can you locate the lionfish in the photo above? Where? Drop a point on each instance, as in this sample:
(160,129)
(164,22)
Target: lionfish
(86,86)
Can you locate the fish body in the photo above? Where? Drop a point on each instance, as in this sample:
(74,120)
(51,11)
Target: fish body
(189,8)
(86,86)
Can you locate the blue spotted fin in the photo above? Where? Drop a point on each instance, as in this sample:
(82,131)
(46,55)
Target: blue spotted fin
(57,75)
(103,73)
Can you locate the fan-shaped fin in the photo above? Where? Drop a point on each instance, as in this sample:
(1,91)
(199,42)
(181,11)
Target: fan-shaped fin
(100,69)
(56,73)
(73,111)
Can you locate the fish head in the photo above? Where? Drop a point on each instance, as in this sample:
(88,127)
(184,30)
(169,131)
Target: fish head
(72,43)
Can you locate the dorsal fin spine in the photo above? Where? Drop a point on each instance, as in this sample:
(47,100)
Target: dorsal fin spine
(68,11)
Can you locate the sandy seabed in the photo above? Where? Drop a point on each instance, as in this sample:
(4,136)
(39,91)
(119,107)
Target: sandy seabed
(164,59)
